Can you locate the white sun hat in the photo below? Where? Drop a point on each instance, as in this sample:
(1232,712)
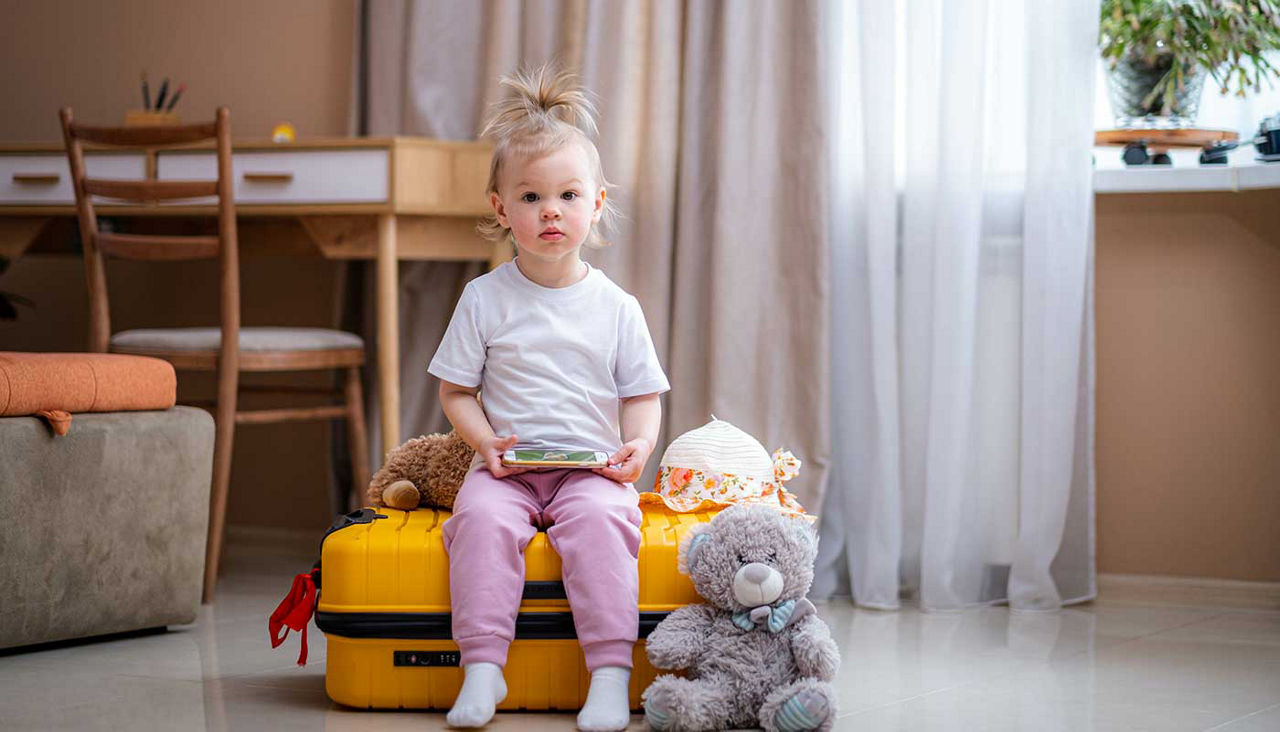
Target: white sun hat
(717,465)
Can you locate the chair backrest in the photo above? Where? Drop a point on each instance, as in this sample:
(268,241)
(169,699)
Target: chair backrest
(151,191)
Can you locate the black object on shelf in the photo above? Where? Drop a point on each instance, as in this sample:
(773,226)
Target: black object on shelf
(1267,143)
(1136,153)
(1216,154)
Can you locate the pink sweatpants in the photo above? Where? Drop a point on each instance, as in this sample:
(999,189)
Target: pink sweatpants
(592,522)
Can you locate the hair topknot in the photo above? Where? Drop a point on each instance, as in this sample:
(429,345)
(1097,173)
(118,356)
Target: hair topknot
(542,110)
(536,101)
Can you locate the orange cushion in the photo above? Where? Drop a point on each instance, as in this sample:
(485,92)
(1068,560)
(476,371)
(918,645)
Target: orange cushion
(83,382)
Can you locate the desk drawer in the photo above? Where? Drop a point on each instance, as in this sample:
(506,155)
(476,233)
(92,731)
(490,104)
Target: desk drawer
(300,176)
(45,178)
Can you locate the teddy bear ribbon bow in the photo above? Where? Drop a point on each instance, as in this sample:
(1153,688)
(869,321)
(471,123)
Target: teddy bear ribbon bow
(774,617)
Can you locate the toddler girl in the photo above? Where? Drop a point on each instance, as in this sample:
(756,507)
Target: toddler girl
(562,359)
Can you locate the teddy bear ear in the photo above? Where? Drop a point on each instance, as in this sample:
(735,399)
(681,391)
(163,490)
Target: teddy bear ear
(691,546)
(805,533)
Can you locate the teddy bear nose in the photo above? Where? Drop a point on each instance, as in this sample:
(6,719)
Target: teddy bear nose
(755,572)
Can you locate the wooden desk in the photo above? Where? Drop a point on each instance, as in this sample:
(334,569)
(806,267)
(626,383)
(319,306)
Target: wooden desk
(384,199)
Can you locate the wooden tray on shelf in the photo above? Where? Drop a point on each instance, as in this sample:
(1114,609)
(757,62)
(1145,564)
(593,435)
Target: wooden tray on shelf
(1160,140)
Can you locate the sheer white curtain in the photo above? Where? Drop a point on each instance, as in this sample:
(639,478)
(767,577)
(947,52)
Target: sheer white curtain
(962,346)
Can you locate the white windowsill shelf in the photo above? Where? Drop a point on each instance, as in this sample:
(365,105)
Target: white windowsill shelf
(1241,173)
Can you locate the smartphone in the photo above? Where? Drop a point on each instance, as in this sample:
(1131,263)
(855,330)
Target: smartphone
(555,458)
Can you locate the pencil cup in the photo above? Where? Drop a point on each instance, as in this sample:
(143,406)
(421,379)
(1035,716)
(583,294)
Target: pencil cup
(147,118)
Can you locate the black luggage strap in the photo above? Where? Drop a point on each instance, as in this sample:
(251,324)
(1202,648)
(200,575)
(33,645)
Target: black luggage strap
(438,626)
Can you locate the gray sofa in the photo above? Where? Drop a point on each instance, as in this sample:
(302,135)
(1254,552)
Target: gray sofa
(102,530)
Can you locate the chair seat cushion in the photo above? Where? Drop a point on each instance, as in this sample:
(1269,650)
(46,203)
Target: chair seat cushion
(251,339)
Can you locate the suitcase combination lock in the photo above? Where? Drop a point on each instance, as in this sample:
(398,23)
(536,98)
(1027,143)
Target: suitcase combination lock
(426,658)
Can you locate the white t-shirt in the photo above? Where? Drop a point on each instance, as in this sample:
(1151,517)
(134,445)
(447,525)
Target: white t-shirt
(551,363)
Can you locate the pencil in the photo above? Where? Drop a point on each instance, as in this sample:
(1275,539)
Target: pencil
(176,94)
(146,93)
(164,91)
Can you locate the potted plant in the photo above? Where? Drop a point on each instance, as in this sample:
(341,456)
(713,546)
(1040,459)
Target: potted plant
(1160,51)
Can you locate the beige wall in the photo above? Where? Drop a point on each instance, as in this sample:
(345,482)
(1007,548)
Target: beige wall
(1188,399)
(267,61)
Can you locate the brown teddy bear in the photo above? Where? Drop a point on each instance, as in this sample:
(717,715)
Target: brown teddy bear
(425,471)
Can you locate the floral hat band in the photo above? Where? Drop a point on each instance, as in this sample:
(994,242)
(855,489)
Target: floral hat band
(785,466)
(718,465)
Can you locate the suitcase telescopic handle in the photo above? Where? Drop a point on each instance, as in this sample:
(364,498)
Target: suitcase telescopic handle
(342,521)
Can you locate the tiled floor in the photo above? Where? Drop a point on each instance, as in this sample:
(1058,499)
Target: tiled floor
(1103,666)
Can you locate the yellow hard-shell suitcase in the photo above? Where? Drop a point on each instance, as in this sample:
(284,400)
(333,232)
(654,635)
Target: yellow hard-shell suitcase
(384,608)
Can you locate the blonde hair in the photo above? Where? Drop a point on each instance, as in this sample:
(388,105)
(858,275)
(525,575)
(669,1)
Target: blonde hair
(544,111)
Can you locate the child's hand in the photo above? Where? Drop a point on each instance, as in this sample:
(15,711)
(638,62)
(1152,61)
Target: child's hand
(626,465)
(491,449)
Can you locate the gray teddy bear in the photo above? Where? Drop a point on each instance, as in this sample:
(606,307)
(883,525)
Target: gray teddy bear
(756,653)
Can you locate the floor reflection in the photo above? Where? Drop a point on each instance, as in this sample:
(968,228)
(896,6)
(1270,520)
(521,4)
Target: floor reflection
(1103,666)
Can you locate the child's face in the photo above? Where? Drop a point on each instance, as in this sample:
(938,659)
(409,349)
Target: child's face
(549,203)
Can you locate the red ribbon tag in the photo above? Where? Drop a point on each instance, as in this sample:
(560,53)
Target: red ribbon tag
(294,612)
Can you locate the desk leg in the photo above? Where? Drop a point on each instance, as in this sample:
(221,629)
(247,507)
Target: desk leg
(388,313)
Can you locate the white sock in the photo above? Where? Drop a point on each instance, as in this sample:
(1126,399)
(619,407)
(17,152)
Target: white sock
(607,707)
(483,688)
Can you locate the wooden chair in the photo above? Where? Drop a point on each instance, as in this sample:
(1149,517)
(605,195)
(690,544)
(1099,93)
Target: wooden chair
(228,349)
